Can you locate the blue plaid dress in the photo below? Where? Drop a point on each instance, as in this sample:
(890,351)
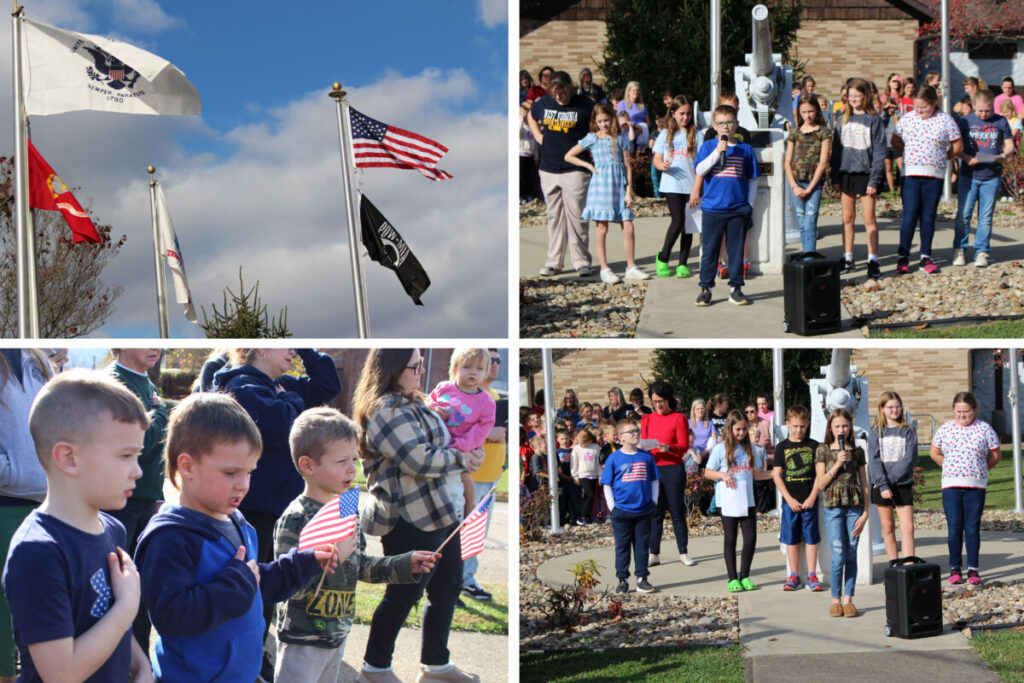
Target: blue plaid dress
(606,197)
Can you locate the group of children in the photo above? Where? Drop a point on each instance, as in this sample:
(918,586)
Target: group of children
(74,591)
(833,474)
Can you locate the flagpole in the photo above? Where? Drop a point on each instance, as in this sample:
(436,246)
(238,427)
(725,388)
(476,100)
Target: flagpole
(28,293)
(347,174)
(161,278)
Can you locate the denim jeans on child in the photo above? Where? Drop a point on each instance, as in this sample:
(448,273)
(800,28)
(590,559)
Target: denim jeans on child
(920,201)
(963,508)
(732,227)
(807,215)
(631,529)
(984,193)
(839,522)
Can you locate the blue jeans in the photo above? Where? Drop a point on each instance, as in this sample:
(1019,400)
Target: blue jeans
(984,193)
(807,215)
(442,585)
(839,523)
(920,202)
(671,498)
(469,565)
(631,529)
(732,227)
(963,508)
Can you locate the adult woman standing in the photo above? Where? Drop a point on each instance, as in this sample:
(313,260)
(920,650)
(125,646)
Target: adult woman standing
(1009,93)
(23,372)
(633,104)
(929,138)
(409,470)
(966,448)
(636,400)
(570,408)
(558,121)
(672,432)
(257,380)
(617,408)
(588,88)
(701,428)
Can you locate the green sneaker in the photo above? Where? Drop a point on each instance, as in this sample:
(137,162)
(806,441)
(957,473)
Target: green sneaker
(661,268)
(734,586)
(747,584)
(682,271)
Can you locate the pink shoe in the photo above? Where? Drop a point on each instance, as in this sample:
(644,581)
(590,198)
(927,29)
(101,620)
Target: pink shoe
(954,576)
(973,578)
(929,267)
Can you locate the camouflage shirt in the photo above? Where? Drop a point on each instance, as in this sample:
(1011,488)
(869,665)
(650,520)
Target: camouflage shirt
(325,621)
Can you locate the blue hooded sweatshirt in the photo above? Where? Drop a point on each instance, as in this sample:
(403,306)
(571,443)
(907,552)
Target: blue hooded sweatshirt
(276,482)
(205,605)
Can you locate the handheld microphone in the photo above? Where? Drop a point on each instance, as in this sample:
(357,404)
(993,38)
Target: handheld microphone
(842,447)
(724,138)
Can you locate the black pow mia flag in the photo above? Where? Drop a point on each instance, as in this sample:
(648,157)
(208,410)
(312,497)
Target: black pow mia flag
(387,248)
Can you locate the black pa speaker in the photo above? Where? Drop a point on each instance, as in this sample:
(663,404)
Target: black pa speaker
(913,599)
(811,286)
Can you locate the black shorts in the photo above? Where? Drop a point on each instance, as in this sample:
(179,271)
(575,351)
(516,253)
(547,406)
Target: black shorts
(855,184)
(901,495)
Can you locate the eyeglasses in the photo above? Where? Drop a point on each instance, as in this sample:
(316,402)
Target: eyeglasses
(496,359)
(630,431)
(724,123)
(416,367)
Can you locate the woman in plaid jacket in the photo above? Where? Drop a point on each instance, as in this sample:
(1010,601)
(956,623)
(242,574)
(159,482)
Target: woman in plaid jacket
(407,461)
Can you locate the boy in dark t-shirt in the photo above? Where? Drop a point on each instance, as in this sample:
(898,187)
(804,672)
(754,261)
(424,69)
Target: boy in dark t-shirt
(793,471)
(72,589)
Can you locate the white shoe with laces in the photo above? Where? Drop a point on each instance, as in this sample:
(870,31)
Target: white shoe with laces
(635,273)
(685,559)
(958,257)
(609,277)
(981,260)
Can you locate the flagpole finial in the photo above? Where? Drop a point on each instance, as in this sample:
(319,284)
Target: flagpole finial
(337,92)
(150,169)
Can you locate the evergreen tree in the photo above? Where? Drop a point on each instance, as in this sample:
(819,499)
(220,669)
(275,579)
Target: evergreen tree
(244,316)
(667,45)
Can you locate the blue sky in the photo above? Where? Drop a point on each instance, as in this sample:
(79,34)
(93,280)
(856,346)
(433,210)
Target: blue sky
(255,180)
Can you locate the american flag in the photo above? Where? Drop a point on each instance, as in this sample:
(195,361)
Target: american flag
(637,472)
(474,529)
(378,145)
(335,521)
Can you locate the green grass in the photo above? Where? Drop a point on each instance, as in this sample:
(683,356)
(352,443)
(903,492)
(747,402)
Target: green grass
(1003,651)
(483,617)
(1002,329)
(652,664)
(999,494)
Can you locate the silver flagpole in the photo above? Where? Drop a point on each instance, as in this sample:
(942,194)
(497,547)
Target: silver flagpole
(28,293)
(347,174)
(158,261)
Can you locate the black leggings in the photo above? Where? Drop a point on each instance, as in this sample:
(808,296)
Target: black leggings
(589,487)
(749,527)
(676,207)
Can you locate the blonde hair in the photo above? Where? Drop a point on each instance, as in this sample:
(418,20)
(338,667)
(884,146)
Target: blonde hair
(69,406)
(671,127)
(314,431)
(639,93)
(1006,109)
(467,358)
(707,413)
(884,398)
(584,437)
(203,421)
(863,87)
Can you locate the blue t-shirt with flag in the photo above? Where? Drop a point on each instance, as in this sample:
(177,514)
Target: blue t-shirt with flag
(983,136)
(630,476)
(725,185)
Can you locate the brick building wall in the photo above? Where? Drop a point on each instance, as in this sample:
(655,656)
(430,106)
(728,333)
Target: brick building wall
(592,372)
(926,380)
(566,46)
(865,48)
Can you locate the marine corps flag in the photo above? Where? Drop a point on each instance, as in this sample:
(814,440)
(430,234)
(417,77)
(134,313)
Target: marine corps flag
(387,248)
(48,192)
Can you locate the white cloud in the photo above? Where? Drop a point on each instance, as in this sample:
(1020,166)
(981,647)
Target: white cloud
(275,207)
(493,12)
(144,15)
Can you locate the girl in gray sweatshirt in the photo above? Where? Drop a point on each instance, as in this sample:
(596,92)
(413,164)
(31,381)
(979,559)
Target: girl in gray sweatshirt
(892,457)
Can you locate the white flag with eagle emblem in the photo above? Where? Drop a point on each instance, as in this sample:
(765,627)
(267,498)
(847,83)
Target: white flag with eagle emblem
(66,71)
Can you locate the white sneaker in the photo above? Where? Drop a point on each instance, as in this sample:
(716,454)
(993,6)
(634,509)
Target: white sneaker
(635,273)
(653,560)
(608,276)
(685,559)
(958,258)
(981,259)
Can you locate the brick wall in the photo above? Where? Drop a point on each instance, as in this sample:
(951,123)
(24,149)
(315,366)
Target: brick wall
(926,379)
(591,373)
(566,46)
(871,49)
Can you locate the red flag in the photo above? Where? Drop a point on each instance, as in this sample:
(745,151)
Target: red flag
(48,192)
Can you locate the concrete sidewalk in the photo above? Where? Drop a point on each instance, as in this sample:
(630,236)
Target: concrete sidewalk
(775,625)
(669,311)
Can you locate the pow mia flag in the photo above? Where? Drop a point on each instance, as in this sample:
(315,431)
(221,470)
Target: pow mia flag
(387,248)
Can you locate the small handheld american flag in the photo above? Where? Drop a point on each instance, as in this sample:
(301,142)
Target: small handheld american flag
(474,529)
(335,521)
(378,145)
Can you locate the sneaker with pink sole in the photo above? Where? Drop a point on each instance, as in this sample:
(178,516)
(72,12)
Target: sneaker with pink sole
(973,577)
